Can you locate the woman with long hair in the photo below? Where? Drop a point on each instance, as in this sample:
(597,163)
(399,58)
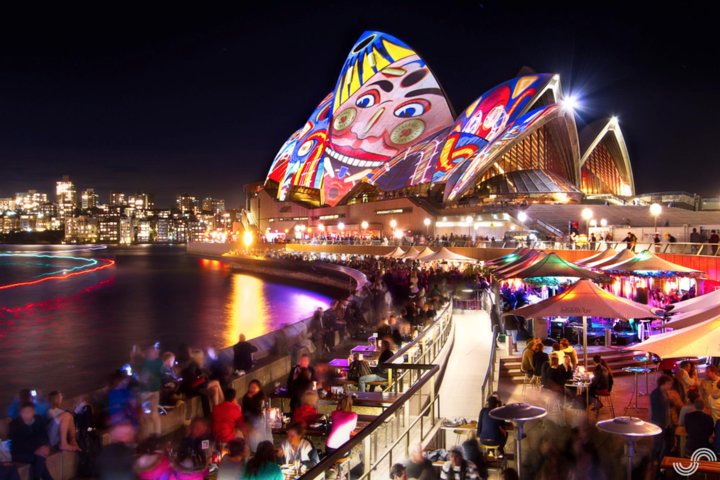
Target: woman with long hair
(262,465)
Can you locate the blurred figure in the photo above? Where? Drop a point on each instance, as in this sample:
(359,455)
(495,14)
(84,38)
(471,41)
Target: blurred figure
(61,424)
(491,431)
(152,462)
(28,395)
(254,403)
(150,384)
(29,441)
(380,372)
(398,472)
(343,422)
(263,465)
(307,414)
(198,442)
(300,380)
(189,466)
(418,467)
(457,468)
(117,459)
(700,427)
(232,464)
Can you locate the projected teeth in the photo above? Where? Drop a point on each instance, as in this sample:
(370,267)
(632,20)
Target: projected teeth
(353,162)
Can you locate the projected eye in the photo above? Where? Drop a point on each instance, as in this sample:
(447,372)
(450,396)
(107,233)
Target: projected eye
(305,148)
(344,119)
(413,109)
(407,131)
(367,100)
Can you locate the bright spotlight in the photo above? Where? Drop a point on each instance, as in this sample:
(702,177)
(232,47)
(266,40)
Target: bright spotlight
(427,222)
(247,238)
(341,226)
(570,103)
(655,209)
(586,214)
(522,216)
(614,119)
(364,225)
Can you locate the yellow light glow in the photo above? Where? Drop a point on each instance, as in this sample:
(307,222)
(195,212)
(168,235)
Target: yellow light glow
(247,238)
(247,309)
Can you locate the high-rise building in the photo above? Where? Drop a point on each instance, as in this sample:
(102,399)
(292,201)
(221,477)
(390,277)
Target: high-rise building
(141,201)
(187,204)
(7,204)
(66,197)
(118,198)
(81,229)
(214,206)
(88,199)
(30,201)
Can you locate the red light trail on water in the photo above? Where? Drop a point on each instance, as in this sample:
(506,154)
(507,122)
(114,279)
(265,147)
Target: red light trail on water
(107,263)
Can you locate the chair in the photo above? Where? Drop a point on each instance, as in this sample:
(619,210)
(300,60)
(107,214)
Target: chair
(531,380)
(606,394)
(489,450)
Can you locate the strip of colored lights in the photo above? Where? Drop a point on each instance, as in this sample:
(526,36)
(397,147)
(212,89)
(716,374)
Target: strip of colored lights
(90,262)
(106,263)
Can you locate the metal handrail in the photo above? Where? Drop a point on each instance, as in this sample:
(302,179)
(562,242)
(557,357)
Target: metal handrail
(490,372)
(329,461)
(408,346)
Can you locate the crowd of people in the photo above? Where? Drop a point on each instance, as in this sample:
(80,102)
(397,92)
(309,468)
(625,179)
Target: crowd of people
(232,434)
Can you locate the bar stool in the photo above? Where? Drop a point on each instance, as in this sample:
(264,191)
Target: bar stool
(606,394)
(489,450)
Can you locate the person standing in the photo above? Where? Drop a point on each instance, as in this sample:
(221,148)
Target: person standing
(150,384)
(243,355)
(700,427)
(714,240)
(660,415)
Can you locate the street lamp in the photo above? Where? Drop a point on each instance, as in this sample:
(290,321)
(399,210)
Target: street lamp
(364,225)
(655,211)
(603,222)
(341,227)
(427,223)
(522,216)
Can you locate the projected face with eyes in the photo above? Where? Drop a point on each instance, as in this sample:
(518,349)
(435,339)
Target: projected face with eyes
(396,108)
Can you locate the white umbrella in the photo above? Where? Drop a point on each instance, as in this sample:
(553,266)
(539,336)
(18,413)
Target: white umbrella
(412,253)
(700,302)
(445,254)
(692,317)
(585,299)
(397,252)
(425,253)
(701,340)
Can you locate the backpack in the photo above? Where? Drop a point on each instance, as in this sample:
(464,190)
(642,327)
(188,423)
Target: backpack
(357,369)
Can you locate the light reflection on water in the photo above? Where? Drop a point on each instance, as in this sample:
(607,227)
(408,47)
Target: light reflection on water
(69,334)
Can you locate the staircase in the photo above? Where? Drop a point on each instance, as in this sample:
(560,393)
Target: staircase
(616,358)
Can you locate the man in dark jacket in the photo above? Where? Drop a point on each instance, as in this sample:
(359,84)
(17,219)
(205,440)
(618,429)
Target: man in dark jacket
(29,441)
(660,416)
(243,354)
(700,428)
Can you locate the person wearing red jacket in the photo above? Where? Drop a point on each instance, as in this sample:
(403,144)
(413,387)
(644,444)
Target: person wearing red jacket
(227,418)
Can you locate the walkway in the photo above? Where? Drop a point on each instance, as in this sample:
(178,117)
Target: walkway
(460,392)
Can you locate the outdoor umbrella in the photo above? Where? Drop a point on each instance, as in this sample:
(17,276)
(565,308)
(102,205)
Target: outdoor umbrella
(621,256)
(397,252)
(552,265)
(412,253)
(701,340)
(528,259)
(445,254)
(648,264)
(692,317)
(604,255)
(425,253)
(508,258)
(585,299)
(701,302)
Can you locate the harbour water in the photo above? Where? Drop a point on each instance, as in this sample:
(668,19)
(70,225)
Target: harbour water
(69,333)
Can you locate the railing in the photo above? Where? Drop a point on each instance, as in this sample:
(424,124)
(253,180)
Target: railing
(489,380)
(423,349)
(414,417)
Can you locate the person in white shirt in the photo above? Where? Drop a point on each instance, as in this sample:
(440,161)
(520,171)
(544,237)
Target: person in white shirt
(457,468)
(296,448)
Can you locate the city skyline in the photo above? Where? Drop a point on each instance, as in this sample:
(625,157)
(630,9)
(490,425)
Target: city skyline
(201,101)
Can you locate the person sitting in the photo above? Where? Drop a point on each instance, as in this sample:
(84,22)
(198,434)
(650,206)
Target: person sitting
(227,418)
(189,466)
(254,403)
(170,381)
(358,367)
(398,472)
(600,383)
(199,440)
(380,373)
(233,463)
(307,414)
(699,426)
(61,424)
(243,355)
(567,368)
(152,463)
(569,350)
(343,422)
(29,441)
(457,468)
(296,448)
(263,465)
(526,365)
(492,431)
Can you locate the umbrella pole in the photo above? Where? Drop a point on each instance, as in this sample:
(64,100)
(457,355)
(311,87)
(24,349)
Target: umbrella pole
(585,335)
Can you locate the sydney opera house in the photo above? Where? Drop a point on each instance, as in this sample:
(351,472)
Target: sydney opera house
(386,139)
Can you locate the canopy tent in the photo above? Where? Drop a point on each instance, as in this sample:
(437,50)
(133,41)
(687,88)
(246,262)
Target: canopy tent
(412,253)
(701,340)
(701,302)
(552,265)
(585,299)
(528,259)
(447,255)
(425,253)
(508,258)
(606,254)
(692,317)
(397,252)
(648,264)
(621,256)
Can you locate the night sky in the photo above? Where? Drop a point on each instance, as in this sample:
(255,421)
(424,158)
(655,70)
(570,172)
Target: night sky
(166,100)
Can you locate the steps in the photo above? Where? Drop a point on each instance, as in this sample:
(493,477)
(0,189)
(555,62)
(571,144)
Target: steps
(617,359)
